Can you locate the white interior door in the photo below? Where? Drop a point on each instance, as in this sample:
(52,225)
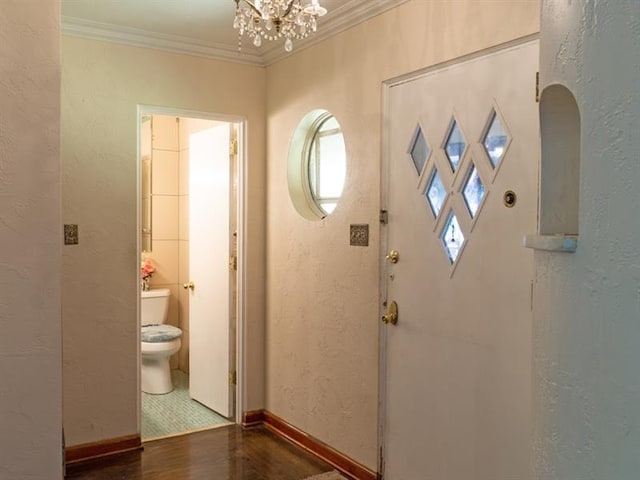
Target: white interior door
(209,252)
(457,396)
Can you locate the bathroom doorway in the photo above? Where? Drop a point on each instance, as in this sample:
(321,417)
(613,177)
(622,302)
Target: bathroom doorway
(191,178)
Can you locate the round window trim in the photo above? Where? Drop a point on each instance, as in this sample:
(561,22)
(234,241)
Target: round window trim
(298,159)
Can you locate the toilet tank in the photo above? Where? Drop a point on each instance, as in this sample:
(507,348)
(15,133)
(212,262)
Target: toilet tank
(154,306)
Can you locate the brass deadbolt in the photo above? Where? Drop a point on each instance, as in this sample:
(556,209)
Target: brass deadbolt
(393,256)
(509,198)
(391,317)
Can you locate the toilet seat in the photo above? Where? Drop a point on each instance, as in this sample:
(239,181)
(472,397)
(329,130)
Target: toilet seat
(159,333)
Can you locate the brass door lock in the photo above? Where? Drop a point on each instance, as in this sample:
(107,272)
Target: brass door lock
(393,256)
(391,317)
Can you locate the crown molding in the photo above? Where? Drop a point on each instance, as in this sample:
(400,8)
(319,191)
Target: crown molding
(106,32)
(351,13)
(338,20)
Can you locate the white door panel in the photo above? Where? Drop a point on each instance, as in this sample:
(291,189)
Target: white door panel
(457,391)
(209,251)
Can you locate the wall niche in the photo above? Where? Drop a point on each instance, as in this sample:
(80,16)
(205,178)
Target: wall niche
(558,226)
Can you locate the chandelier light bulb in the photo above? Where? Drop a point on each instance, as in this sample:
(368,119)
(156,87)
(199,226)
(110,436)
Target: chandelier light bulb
(315,9)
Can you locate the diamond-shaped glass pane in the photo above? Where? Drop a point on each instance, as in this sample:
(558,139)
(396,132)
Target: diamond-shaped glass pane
(455,145)
(495,140)
(419,150)
(452,237)
(473,191)
(435,192)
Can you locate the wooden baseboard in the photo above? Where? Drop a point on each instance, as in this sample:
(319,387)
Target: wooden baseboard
(103,448)
(254,418)
(341,462)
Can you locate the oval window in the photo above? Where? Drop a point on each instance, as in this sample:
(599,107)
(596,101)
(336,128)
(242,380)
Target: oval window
(327,164)
(317,165)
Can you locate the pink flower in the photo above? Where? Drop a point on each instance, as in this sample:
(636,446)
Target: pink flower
(147,270)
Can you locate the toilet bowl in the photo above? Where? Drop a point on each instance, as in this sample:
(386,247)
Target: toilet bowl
(158,342)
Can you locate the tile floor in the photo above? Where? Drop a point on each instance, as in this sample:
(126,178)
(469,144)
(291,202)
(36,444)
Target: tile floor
(175,413)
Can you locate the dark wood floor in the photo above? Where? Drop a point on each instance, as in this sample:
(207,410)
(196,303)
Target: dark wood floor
(219,454)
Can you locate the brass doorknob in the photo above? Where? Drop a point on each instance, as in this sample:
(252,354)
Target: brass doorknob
(189,285)
(391,317)
(393,256)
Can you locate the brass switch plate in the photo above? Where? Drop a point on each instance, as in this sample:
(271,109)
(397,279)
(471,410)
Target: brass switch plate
(359,235)
(70,234)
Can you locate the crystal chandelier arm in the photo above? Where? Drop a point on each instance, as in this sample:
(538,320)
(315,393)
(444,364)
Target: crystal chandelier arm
(289,8)
(251,6)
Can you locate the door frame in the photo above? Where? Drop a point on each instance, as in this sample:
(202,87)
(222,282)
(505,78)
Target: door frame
(241,273)
(385,162)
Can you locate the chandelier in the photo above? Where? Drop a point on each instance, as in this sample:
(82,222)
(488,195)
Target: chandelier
(275,19)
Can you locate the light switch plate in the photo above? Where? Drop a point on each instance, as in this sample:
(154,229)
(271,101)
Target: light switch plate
(359,235)
(70,234)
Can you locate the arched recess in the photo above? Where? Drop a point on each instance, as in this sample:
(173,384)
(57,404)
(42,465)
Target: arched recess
(560,164)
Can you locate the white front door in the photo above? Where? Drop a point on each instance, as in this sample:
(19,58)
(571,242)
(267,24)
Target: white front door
(209,252)
(462,162)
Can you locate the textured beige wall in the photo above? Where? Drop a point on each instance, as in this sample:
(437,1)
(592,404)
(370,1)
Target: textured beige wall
(31,233)
(586,304)
(322,294)
(102,84)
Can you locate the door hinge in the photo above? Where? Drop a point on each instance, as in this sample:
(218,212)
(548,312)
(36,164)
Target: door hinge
(537,87)
(233,263)
(233,147)
(232,378)
(384,217)
(532,295)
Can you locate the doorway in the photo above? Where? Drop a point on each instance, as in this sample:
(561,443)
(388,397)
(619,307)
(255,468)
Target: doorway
(460,189)
(191,178)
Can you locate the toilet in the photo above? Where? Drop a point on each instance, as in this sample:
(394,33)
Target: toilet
(158,341)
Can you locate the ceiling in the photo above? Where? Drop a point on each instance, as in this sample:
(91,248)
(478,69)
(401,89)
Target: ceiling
(198,27)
